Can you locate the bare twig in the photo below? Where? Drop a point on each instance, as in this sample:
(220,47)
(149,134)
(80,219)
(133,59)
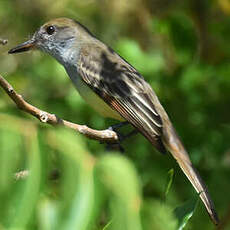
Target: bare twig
(45,117)
(21,175)
(3,41)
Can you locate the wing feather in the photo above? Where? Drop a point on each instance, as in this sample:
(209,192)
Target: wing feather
(124,90)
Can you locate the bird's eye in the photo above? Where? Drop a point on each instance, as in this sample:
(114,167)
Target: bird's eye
(50,30)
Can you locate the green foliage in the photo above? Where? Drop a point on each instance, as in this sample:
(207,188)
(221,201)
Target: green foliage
(182,49)
(158,215)
(184,212)
(124,197)
(170,181)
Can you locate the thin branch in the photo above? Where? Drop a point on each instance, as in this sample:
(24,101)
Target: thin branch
(45,117)
(3,41)
(21,175)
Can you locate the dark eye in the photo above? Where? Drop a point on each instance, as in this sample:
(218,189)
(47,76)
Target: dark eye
(50,30)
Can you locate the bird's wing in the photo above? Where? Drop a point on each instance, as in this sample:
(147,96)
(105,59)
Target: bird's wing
(124,90)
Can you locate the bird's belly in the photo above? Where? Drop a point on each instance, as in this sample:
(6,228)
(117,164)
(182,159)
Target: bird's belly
(94,100)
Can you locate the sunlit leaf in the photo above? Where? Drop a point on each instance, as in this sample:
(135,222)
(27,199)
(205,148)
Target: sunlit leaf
(29,192)
(78,214)
(119,177)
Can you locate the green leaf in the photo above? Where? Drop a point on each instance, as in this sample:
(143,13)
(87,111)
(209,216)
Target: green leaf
(169,181)
(107,225)
(26,198)
(120,180)
(158,215)
(78,181)
(184,212)
(47,214)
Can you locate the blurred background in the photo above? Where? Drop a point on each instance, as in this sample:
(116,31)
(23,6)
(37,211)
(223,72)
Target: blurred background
(182,49)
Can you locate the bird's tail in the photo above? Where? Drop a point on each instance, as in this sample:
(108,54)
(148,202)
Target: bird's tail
(175,147)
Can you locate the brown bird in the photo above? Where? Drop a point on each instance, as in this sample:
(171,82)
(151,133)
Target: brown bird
(115,89)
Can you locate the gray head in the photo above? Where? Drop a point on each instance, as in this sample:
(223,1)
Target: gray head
(61,38)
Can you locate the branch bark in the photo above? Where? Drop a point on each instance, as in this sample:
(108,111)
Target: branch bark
(45,117)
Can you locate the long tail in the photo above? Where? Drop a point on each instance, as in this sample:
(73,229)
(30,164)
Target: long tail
(175,147)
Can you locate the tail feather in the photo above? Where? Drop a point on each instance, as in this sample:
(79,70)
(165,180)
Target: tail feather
(175,147)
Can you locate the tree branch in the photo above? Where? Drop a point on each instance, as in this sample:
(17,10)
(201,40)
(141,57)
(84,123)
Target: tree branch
(3,41)
(45,117)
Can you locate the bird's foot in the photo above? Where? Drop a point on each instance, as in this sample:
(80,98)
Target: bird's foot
(121,137)
(116,127)
(117,145)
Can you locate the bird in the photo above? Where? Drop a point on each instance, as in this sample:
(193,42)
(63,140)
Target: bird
(115,89)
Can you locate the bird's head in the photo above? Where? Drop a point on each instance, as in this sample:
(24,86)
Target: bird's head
(59,37)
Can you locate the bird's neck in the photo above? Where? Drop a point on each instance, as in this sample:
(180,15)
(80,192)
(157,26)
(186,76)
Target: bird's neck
(67,56)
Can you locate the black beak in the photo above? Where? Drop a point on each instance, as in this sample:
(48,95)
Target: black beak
(25,46)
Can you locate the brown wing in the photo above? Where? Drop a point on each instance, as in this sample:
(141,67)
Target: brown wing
(122,87)
(124,90)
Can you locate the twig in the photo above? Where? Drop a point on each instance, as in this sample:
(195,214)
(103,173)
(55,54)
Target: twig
(21,175)
(45,117)
(3,41)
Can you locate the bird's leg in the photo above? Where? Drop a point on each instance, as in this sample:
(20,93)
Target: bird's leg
(121,136)
(115,127)
(117,146)
(130,134)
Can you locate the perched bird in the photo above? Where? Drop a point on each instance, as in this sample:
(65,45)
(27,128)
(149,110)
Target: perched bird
(115,89)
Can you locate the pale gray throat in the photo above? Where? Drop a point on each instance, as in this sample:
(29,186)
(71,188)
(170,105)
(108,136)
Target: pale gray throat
(64,51)
(69,59)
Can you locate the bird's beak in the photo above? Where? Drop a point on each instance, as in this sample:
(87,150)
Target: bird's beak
(25,46)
